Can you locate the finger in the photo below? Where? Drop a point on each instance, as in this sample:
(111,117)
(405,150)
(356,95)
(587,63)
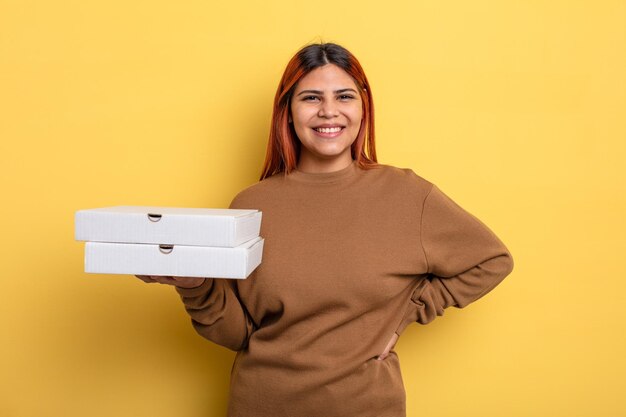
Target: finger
(146,278)
(383,355)
(188,282)
(162,279)
(390,345)
(183,282)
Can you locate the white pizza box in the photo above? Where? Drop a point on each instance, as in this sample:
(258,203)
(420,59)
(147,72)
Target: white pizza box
(168,225)
(173,260)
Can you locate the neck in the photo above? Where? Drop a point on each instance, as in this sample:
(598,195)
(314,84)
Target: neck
(311,165)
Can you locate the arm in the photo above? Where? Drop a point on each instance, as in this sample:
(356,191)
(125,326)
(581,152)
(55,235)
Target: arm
(216,310)
(465,259)
(217,313)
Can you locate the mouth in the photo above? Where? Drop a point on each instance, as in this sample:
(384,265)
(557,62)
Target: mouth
(329,130)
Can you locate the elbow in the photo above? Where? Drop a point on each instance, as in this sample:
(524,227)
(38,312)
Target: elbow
(501,267)
(498,269)
(507,264)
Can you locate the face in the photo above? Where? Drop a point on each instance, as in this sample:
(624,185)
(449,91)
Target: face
(326,112)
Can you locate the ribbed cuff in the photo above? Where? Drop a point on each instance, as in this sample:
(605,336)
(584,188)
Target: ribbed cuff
(441,294)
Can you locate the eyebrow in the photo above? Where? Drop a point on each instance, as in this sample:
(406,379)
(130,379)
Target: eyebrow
(343,90)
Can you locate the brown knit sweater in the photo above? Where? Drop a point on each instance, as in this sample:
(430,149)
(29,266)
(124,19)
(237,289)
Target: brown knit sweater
(350,258)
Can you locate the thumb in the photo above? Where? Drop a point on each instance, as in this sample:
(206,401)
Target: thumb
(389,346)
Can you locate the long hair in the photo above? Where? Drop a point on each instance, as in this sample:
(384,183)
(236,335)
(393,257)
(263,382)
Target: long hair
(283,148)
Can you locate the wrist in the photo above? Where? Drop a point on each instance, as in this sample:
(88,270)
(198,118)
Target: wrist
(197,282)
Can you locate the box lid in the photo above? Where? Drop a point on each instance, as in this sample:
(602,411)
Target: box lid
(168,225)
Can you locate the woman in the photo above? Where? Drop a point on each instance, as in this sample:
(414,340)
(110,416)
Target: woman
(354,252)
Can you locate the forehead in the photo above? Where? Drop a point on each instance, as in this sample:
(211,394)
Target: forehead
(327,77)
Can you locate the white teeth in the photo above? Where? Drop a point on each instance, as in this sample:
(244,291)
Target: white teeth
(328,129)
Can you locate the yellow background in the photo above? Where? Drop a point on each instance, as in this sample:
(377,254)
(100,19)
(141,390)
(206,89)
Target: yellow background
(516,109)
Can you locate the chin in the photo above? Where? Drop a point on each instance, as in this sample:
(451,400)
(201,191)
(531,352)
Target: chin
(330,155)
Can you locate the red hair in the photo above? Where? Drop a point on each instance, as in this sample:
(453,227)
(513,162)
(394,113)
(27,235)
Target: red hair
(283,148)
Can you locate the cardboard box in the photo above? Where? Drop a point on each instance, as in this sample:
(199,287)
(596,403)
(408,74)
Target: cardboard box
(173,260)
(168,225)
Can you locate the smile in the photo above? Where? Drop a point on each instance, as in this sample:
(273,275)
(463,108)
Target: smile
(328,129)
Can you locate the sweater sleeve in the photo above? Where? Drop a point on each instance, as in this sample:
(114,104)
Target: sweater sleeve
(217,312)
(465,259)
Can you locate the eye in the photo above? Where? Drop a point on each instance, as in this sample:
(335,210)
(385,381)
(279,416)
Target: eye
(310,98)
(346,97)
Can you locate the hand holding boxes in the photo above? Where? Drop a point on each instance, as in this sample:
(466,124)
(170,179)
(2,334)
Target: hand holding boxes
(187,242)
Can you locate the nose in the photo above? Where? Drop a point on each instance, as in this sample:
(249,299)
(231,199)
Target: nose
(328,109)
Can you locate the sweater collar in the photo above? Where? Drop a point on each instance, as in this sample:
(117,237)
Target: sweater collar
(324,177)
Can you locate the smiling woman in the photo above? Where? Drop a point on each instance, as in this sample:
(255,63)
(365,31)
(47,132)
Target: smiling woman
(326,112)
(354,252)
(324,88)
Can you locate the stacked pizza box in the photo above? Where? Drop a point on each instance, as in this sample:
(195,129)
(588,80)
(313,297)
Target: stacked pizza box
(185,242)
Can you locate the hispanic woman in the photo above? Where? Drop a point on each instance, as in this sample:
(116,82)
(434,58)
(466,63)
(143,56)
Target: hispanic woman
(355,251)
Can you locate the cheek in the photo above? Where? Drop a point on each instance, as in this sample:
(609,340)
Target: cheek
(302,119)
(357,116)
(299,127)
(298,115)
(298,123)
